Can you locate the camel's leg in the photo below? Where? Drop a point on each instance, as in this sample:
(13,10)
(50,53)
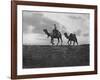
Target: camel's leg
(61,40)
(52,41)
(68,42)
(73,42)
(58,41)
(76,42)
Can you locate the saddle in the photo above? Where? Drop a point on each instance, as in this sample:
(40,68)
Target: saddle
(55,32)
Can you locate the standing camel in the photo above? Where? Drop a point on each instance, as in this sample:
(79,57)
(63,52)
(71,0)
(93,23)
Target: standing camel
(52,35)
(71,38)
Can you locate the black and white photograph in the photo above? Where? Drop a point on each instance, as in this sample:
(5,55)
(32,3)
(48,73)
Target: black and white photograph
(55,39)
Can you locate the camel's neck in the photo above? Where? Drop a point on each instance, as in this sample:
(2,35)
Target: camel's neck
(48,34)
(67,36)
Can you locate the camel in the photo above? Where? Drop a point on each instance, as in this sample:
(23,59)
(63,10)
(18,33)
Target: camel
(52,35)
(71,38)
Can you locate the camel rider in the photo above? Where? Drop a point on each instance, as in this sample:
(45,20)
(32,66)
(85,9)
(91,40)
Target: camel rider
(55,31)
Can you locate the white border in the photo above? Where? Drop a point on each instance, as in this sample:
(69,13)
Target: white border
(21,71)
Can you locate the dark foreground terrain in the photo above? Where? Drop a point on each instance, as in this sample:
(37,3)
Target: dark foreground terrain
(39,56)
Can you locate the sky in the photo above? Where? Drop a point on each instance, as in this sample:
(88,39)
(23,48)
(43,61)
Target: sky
(34,22)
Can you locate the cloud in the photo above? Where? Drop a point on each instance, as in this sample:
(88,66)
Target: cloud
(37,20)
(35,39)
(70,22)
(86,34)
(74,17)
(78,32)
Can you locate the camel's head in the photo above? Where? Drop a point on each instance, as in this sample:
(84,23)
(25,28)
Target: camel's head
(46,32)
(66,35)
